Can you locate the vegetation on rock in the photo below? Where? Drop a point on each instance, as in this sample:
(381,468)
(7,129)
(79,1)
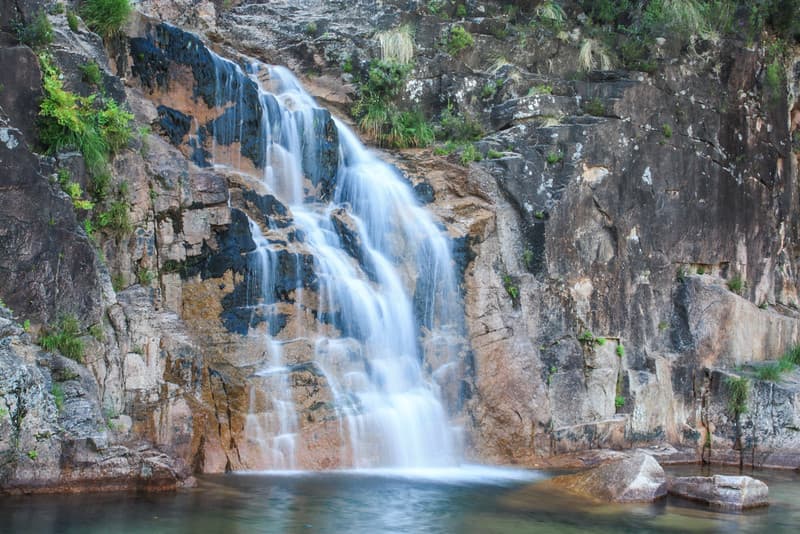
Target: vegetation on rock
(105,17)
(65,337)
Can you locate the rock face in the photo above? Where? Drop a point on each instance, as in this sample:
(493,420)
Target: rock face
(727,492)
(53,433)
(638,478)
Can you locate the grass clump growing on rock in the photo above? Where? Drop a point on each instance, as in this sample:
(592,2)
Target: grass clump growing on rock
(458,39)
(739,392)
(91,73)
(737,284)
(595,107)
(65,338)
(380,118)
(38,32)
(72,21)
(105,17)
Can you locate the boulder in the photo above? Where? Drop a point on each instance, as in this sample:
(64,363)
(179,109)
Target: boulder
(638,478)
(719,491)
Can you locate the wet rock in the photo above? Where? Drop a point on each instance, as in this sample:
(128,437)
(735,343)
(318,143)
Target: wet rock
(321,156)
(638,478)
(718,491)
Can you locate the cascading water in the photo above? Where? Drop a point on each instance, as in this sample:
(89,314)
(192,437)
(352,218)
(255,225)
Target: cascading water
(384,272)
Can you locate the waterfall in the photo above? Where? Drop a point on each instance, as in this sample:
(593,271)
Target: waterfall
(385,276)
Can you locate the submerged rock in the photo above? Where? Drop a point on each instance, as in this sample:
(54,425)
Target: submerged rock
(719,491)
(638,478)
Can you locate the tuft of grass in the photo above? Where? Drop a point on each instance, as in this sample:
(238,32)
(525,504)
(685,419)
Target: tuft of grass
(739,392)
(32,454)
(72,21)
(527,258)
(397,45)
(470,154)
(145,276)
(595,107)
(737,284)
(116,218)
(510,287)
(494,154)
(593,55)
(458,39)
(586,337)
(551,14)
(554,157)
(619,402)
(91,73)
(105,17)
(456,127)
(58,395)
(620,350)
(542,89)
(666,130)
(65,338)
(37,33)
(409,129)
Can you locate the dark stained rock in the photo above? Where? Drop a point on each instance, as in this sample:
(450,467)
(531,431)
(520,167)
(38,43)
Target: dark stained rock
(321,157)
(718,491)
(638,478)
(49,266)
(22,92)
(174,124)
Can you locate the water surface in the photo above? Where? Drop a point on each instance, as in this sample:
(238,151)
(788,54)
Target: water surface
(469,500)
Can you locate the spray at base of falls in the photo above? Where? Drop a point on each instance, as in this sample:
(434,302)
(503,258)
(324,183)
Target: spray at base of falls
(385,275)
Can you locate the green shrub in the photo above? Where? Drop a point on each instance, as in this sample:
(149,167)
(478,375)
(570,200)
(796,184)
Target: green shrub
(619,402)
(311,28)
(65,338)
(105,17)
(91,73)
(620,350)
(39,32)
(32,454)
(458,39)
(494,154)
(461,11)
(666,129)
(72,21)
(101,185)
(586,337)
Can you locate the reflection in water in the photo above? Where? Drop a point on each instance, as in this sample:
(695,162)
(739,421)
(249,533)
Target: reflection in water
(470,500)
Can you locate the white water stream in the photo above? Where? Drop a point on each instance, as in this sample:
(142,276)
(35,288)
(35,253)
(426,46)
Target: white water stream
(389,409)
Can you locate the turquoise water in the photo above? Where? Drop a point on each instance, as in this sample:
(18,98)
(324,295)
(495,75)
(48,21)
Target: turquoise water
(471,500)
